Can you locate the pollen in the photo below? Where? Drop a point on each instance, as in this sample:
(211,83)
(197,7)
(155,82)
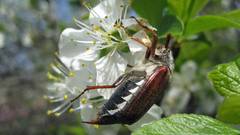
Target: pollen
(83,101)
(71,110)
(45,97)
(52,77)
(49,112)
(56,53)
(57,114)
(94,42)
(83,65)
(65,97)
(71,74)
(96,28)
(96,125)
(90,78)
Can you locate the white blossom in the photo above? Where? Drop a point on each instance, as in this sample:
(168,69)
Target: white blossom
(96,54)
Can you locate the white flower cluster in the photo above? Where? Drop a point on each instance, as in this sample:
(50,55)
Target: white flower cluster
(96,54)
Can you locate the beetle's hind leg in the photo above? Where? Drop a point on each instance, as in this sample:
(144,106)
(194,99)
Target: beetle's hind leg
(69,103)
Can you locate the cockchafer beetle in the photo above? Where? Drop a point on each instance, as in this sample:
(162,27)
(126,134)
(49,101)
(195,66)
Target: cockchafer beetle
(140,88)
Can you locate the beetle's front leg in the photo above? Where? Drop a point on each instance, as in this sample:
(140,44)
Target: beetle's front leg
(154,37)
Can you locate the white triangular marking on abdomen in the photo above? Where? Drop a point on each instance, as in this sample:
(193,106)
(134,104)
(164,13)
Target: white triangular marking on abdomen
(140,82)
(112,112)
(127,98)
(120,106)
(134,90)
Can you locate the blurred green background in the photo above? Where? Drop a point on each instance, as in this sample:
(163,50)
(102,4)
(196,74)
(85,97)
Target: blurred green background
(29,33)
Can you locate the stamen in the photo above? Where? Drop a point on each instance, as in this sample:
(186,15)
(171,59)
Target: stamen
(71,74)
(60,109)
(83,101)
(56,100)
(125,11)
(55,69)
(96,126)
(88,42)
(65,97)
(50,76)
(71,110)
(83,65)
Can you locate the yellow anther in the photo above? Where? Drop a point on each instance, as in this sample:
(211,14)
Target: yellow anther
(71,74)
(94,42)
(106,17)
(96,28)
(56,53)
(49,112)
(51,65)
(87,48)
(90,77)
(96,125)
(57,114)
(83,101)
(45,97)
(83,65)
(65,97)
(52,77)
(100,21)
(71,110)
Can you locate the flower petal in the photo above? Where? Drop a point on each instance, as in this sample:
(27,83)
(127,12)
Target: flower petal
(109,68)
(107,13)
(128,22)
(84,76)
(69,46)
(135,46)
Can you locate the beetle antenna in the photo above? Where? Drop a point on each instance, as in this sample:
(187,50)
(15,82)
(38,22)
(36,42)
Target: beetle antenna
(168,41)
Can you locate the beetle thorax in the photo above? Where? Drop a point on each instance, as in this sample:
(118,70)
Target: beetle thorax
(163,56)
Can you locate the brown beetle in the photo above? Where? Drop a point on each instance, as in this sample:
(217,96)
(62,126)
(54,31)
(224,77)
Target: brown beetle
(140,88)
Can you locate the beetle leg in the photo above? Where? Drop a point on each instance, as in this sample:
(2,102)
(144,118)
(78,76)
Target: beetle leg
(115,84)
(154,36)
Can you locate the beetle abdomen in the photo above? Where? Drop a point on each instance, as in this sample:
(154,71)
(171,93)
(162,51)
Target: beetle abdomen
(153,89)
(134,97)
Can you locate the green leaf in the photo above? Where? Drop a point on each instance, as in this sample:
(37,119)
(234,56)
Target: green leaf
(196,6)
(179,7)
(195,50)
(152,10)
(234,15)
(229,110)
(226,78)
(170,24)
(186,9)
(72,130)
(183,124)
(211,22)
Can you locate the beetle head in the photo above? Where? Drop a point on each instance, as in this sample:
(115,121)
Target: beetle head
(163,56)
